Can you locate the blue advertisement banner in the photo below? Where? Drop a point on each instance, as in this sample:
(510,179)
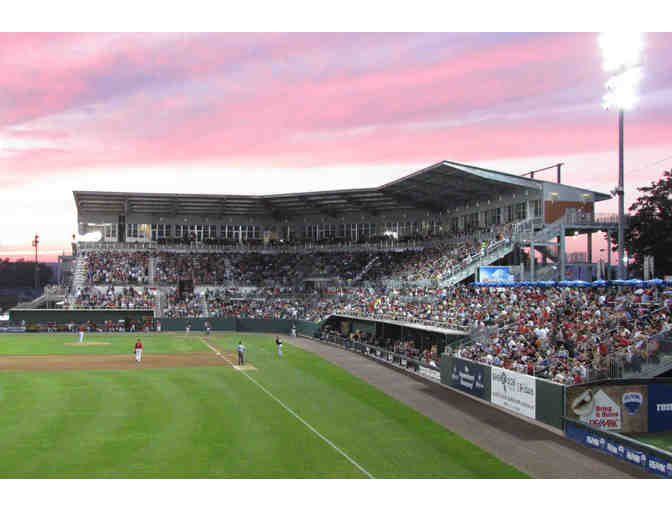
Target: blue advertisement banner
(468,377)
(651,463)
(660,407)
(495,274)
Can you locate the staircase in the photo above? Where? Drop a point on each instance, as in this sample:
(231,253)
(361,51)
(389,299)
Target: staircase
(79,273)
(152,265)
(493,254)
(366,269)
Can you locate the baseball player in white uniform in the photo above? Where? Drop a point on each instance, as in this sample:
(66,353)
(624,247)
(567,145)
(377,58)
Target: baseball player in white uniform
(278,342)
(138,351)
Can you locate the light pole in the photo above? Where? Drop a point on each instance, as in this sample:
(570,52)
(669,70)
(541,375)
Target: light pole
(36,242)
(622,58)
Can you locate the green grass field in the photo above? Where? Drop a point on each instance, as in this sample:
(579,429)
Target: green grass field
(116,343)
(663,441)
(216,422)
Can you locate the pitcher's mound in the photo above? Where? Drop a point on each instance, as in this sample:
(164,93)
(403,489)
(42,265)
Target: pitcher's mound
(87,343)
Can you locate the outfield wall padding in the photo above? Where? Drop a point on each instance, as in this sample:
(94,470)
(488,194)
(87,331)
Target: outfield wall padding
(227,324)
(78,316)
(311,329)
(550,403)
(264,325)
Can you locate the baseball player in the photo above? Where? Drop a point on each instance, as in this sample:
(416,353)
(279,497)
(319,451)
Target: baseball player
(278,342)
(188,327)
(82,328)
(207,328)
(241,351)
(138,351)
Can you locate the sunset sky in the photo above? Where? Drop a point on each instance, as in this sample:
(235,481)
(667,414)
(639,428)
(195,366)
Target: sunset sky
(290,112)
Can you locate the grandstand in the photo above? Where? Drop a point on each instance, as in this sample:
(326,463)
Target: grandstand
(395,256)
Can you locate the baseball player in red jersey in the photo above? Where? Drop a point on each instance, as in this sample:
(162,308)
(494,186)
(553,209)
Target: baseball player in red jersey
(82,328)
(138,351)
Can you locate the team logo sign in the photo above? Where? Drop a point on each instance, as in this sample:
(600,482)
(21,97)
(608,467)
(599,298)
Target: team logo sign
(632,401)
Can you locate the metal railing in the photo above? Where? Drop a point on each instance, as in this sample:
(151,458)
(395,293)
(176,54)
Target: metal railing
(406,320)
(415,365)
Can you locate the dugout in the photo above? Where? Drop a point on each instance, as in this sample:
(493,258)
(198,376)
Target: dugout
(421,335)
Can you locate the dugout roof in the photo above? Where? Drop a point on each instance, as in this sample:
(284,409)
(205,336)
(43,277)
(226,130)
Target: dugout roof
(436,188)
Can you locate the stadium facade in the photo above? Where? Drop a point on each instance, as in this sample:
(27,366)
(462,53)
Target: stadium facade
(447,197)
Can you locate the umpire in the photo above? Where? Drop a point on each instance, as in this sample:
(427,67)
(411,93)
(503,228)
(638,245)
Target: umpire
(241,353)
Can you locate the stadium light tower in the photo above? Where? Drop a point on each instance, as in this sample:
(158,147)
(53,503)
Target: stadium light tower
(622,59)
(36,242)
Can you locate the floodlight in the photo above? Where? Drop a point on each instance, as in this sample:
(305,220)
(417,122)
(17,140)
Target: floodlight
(621,49)
(622,89)
(622,57)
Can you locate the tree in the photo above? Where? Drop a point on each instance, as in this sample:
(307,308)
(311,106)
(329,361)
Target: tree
(22,273)
(649,229)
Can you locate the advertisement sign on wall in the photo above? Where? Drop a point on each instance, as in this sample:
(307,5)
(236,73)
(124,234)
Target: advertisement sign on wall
(660,407)
(468,377)
(622,408)
(495,274)
(514,391)
(651,463)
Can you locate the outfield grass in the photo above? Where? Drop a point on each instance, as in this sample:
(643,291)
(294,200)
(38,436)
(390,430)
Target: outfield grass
(216,422)
(114,343)
(663,441)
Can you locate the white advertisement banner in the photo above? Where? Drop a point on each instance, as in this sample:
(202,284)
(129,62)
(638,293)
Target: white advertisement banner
(514,391)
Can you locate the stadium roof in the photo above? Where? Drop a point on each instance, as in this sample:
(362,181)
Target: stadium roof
(436,188)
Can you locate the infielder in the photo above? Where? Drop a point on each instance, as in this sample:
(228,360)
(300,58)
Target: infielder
(138,351)
(278,342)
(82,328)
(241,351)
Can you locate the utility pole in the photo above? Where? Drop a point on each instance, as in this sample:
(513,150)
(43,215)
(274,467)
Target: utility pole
(36,242)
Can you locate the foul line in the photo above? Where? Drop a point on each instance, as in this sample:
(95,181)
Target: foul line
(310,427)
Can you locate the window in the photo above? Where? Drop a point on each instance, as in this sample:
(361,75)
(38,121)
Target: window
(537,208)
(521,211)
(509,214)
(110,232)
(131,230)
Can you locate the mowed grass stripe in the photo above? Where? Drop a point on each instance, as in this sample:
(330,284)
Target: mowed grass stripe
(214,422)
(163,423)
(114,343)
(361,418)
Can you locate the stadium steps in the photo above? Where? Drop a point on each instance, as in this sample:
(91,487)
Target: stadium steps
(79,278)
(35,303)
(152,266)
(484,260)
(366,269)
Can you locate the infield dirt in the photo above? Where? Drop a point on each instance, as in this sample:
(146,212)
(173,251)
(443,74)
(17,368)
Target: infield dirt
(112,361)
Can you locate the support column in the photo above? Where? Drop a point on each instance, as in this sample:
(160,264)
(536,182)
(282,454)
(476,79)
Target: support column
(608,255)
(531,260)
(561,254)
(590,251)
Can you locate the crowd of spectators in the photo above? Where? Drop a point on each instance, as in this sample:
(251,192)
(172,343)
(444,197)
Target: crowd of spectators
(256,268)
(111,297)
(182,306)
(569,335)
(104,267)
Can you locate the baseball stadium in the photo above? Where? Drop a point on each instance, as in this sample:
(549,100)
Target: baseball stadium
(431,327)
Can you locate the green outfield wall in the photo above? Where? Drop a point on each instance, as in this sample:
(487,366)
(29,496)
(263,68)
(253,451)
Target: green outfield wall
(78,316)
(280,326)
